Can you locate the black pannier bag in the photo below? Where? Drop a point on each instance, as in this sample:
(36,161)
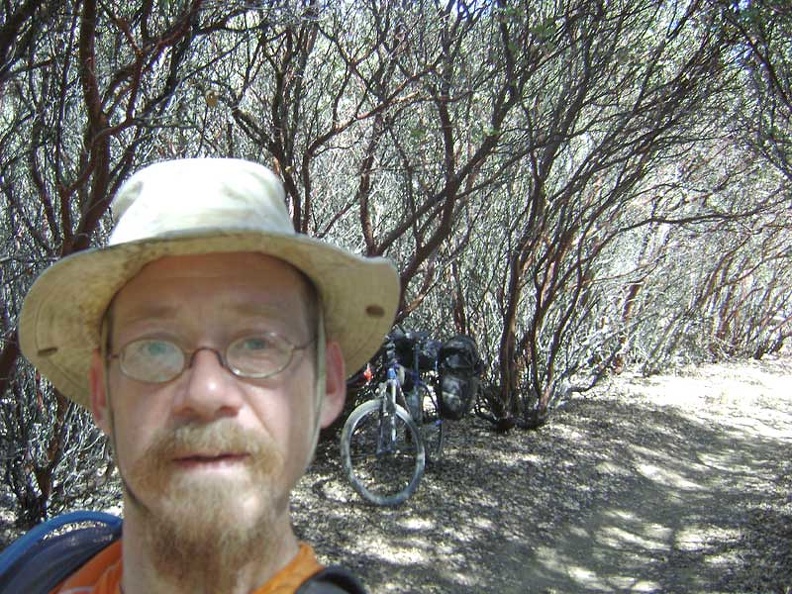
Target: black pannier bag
(459,367)
(407,342)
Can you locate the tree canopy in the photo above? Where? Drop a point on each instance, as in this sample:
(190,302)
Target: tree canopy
(580,186)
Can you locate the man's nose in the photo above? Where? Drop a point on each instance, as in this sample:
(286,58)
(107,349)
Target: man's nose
(211,390)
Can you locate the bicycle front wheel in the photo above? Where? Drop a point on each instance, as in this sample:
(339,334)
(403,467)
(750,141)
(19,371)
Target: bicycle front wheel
(383,454)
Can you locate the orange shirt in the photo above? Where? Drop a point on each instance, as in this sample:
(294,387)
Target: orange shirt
(102,574)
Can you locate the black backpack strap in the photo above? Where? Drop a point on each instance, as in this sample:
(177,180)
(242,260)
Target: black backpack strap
(52,551)
(332,580)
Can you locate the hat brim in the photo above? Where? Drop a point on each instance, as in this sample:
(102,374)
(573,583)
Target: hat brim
(60,322)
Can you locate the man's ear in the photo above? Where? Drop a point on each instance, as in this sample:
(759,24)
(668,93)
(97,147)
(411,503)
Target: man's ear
(335,384)
(99,405)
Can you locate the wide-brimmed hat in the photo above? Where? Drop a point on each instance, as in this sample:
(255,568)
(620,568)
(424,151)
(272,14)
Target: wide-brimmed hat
(197,206)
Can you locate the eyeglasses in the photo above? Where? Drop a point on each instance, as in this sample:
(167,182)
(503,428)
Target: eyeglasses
(156,360)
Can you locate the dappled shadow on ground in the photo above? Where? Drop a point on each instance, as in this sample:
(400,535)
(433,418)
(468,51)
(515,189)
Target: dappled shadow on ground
(616,494)
(677,523)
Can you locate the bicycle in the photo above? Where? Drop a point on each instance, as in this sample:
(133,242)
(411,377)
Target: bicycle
(384,440)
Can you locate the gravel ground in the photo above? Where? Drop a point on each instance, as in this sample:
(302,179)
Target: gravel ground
(675,483)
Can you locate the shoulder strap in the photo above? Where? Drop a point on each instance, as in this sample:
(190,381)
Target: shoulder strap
(53,550)
(332,580)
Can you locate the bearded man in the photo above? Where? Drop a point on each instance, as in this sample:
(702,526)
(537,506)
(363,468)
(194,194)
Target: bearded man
(211,343)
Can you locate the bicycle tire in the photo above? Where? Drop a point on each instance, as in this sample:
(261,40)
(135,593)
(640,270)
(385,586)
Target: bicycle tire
(432,426)
(384,476)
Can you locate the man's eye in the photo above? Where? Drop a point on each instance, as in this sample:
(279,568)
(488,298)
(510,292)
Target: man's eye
(149,352)
(256,344)
(154,348)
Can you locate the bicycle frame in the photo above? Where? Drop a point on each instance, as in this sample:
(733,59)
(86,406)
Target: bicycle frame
(387,428)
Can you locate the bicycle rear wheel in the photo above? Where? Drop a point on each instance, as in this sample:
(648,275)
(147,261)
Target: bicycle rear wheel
(432,428)
(383,454)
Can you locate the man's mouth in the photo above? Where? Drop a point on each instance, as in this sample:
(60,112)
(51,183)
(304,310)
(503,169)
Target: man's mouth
(209,461)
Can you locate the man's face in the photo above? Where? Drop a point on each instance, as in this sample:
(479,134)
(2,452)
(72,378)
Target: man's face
(208,440)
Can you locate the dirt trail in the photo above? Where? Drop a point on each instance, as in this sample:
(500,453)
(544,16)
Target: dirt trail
(668,484)
(710,472)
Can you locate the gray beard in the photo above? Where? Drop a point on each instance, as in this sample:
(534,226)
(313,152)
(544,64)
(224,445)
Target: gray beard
(202,550)
(198,536)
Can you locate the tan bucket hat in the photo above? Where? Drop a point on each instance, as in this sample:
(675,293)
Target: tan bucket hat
(197,206)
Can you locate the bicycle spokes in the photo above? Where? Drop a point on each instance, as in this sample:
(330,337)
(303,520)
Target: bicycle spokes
(383,454)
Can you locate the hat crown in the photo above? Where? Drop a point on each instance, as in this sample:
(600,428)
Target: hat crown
(188,195)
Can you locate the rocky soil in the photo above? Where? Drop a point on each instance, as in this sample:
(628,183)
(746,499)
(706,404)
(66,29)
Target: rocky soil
(677,483)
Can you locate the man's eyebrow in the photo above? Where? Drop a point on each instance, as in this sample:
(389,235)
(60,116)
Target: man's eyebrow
(147,311)
(161,311)
(255,308)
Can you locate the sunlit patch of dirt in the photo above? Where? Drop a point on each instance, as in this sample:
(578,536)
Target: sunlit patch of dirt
(675,483)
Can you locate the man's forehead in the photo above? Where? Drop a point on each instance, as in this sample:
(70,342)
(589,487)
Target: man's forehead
(152,309)
(246,283)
